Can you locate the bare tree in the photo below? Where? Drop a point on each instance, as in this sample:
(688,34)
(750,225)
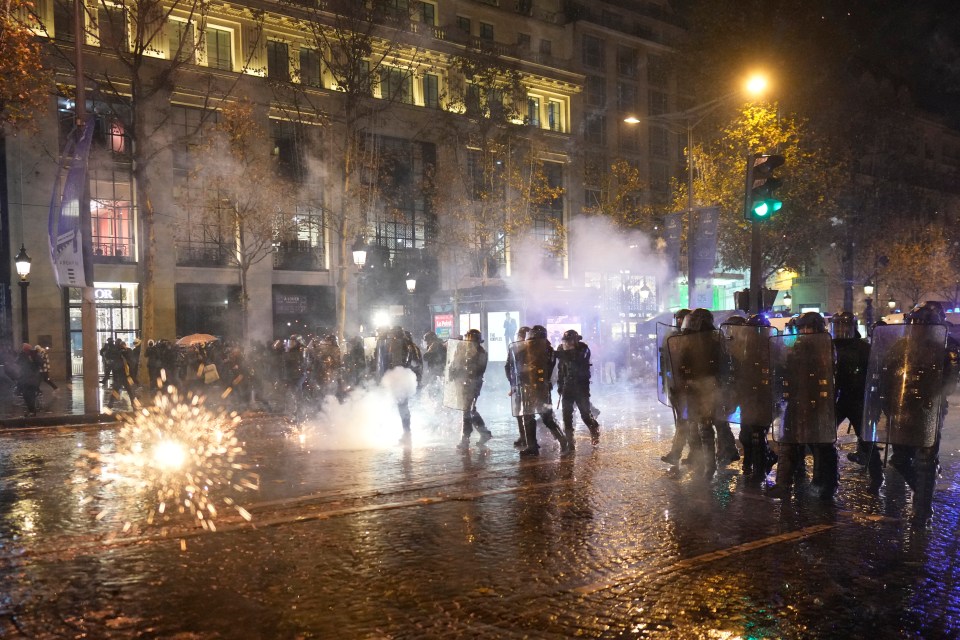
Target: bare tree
(369,52)
(149,45)
(247,201)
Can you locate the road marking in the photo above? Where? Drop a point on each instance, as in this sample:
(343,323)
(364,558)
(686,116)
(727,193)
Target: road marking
(706,558)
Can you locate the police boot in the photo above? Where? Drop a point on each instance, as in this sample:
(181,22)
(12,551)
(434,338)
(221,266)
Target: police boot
(568,435)
(530,437)
(707,448)
(748,442)
(594,427)
(464,443)
(826,471)
(925,481)
(875,468)
(521,442)
(679,442)
(785,471)
(904,466)
(758,454)
(727,451)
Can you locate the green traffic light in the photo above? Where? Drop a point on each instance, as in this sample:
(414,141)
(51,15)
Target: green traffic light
(764,208)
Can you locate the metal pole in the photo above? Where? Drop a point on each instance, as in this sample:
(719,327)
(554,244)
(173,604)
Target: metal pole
(88,307)
(24,328)
(756,295)
(691,276)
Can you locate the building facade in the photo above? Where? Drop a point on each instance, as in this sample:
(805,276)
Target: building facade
(382,143)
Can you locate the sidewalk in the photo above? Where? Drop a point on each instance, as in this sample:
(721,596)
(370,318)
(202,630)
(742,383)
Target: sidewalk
(63,405)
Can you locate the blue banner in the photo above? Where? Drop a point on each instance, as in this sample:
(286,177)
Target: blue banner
(673,232)
(703,254)
(68,247)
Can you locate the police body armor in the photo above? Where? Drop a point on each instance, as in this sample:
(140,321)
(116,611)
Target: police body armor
(695,367)
(533,362)
(326,366)
(747,352)
(803,391)
(664,377)
(463,374)
(391,352)
(903,402)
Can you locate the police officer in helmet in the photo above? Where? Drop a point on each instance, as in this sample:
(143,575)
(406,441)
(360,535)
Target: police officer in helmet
(573,384)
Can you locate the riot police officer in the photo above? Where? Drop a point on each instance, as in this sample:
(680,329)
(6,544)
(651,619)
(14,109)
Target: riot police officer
(727,451)
(325,366)
(395,349)
(695,359)
(803,373)
(533,364)
(913,368)
(853,358)
(434,357)
(508,369)
(749,352)
(573,384)
(463,379)
(681,424)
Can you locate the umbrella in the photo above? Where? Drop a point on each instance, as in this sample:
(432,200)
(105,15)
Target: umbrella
(196,338)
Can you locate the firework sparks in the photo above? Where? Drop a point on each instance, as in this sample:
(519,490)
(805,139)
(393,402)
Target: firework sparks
(183,458)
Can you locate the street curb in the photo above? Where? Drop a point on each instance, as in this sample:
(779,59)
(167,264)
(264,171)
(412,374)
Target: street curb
(72,420)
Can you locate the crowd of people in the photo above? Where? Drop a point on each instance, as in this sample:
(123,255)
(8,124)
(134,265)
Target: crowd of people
(800,386)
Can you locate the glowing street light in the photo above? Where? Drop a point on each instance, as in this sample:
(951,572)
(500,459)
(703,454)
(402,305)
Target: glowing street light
(411,283)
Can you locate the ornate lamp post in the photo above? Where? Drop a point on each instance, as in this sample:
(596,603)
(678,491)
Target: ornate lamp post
(23,270)
(787,301)
(868,288)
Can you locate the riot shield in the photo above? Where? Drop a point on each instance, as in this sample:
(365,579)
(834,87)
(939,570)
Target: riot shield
(391,353)
(664,379)
(803,393)
(461,382)
(903,402)
(694,360)
(747,352)
(532,366)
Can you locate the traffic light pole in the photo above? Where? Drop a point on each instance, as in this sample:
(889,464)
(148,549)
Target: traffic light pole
(756,303)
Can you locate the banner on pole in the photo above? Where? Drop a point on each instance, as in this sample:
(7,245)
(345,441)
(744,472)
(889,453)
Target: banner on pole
(67,244)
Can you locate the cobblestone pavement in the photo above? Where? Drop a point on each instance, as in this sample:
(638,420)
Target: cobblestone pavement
(429,542)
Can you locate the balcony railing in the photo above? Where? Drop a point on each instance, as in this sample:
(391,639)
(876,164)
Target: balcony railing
(212,255)
(298,256)
(112,252)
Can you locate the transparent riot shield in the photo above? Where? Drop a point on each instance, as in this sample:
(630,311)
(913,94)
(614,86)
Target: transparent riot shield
(664,379)
(903,402)
(461,380)
(694,360)
(532,366)
(803,393)
(391,353)
(747,352)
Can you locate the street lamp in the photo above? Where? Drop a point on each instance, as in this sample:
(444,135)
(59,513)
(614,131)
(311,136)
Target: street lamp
(23,270)
(690,118)
(891,304)
(411,283)
(787,300)
(868,288)
(644,291)
(359,252)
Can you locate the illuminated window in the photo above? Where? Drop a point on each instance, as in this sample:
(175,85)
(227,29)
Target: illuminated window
(555,115)
(181,43)
(396,85)
(112,27)
(309,67)
(278,60)
(219,48)
(533,111)
(299,242)
(111,215)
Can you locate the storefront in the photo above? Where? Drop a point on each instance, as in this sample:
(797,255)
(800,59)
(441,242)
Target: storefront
(118,317)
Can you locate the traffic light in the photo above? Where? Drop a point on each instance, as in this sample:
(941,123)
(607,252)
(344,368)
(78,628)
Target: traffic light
(760,203)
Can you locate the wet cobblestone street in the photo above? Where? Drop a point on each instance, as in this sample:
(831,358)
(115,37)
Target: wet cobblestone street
(429,542)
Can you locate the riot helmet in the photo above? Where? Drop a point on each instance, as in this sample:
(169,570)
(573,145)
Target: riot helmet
(813,321)
(331,339)
(571,334)
(679,316)
(522,332)
(537,331)
(698,320)
(735,321)
(429,337)
(473,336)
(758,320)
(930,312)
(843,326)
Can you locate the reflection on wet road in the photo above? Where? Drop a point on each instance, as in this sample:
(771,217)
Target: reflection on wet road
(353,536)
